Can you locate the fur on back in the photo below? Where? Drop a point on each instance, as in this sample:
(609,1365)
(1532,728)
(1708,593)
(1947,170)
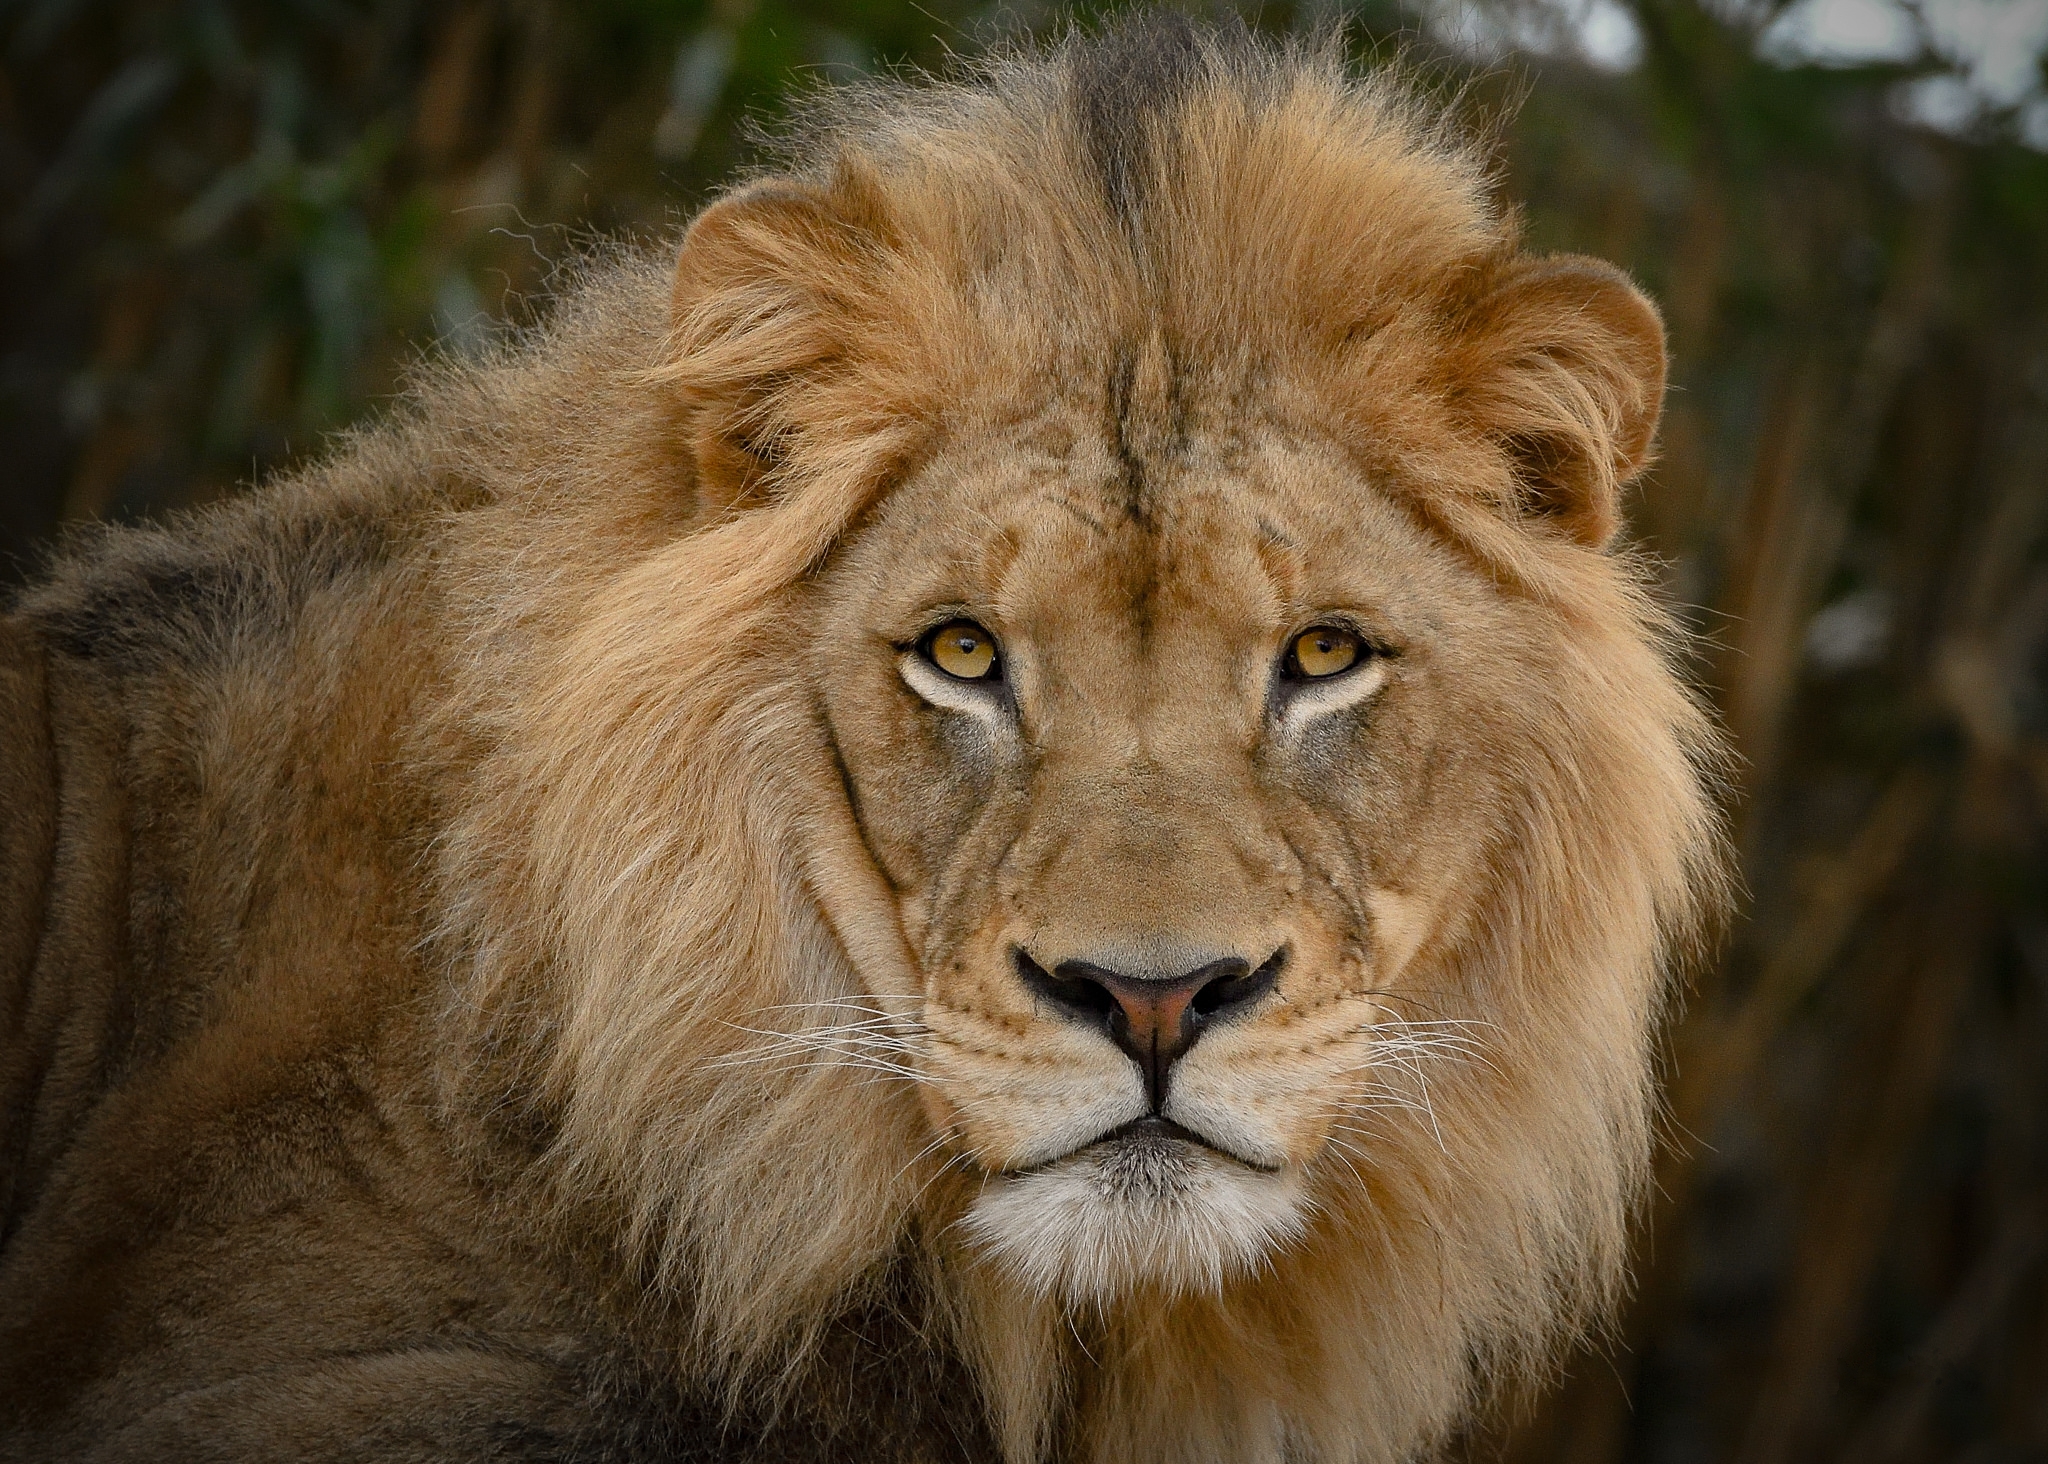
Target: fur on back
(672,1005)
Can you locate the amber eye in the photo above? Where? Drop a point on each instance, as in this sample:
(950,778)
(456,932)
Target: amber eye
(963,650)
(1324,650)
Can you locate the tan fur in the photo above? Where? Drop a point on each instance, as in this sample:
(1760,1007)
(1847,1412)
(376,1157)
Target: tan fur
(586,993)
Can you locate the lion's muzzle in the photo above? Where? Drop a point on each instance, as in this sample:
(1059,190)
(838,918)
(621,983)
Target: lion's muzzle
(1153,1017)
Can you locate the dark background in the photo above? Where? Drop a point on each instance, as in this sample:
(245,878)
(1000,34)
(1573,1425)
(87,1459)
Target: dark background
(229,226)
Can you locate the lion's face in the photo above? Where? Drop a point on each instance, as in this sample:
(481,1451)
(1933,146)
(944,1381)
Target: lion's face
(1107,792)
(1165,755)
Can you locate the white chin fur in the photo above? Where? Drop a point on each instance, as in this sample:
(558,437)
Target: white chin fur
(1097,1224)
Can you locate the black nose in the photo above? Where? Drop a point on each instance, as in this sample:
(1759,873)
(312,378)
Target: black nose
(1154,1019)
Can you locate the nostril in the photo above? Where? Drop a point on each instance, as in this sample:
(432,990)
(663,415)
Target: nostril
(1237,988)
(1075,995)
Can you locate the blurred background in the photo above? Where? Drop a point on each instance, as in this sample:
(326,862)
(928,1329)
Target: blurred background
(230,226)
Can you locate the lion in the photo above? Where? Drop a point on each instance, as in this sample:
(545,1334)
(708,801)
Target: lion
(1017,805)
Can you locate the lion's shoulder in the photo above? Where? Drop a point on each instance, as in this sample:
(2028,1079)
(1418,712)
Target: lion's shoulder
(173,597)
(199,798)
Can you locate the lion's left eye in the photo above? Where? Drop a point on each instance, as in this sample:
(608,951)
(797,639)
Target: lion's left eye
(1323,650)
(963,650)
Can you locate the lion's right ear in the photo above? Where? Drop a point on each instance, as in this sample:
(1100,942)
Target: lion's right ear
(772,286)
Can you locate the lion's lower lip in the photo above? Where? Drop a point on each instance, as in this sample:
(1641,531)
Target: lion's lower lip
(1156,1129)
(1153,1126)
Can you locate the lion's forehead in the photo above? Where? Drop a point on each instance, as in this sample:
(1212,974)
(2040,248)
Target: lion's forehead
(1051,525)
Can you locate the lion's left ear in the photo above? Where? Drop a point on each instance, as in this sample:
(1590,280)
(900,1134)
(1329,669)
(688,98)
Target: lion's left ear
(1562,364)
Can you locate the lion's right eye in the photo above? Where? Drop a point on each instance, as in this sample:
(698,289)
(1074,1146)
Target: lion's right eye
(963,650)
(1323,651)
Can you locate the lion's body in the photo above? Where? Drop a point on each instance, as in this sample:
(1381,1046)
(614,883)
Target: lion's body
(411,900)
(240,1220)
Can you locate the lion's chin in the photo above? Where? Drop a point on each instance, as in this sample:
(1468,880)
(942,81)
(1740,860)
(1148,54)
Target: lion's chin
(1132,1211)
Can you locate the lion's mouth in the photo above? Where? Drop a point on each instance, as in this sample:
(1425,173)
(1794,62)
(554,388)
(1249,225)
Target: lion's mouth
(1154,1141)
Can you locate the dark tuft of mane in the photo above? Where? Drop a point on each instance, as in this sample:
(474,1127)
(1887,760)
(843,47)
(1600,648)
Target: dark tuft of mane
(1136,69)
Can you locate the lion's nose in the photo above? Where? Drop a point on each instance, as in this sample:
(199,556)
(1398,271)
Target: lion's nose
(1155,1019)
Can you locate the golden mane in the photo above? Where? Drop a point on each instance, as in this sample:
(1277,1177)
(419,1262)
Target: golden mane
(651,874)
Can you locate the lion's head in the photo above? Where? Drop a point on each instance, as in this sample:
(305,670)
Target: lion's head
(1137,787)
